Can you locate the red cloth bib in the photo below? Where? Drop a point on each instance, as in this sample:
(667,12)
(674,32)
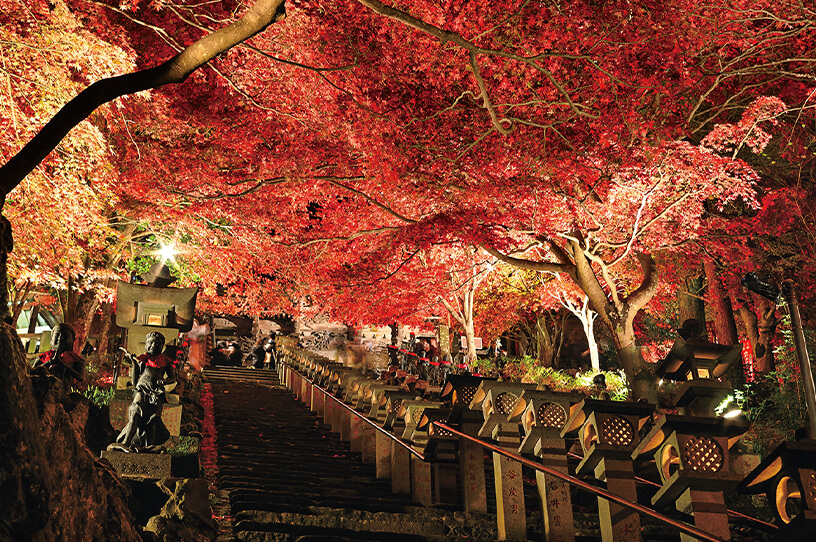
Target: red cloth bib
(158,362)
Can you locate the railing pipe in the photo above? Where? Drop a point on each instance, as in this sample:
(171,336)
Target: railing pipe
(365,419)
(685,528)
(770,527)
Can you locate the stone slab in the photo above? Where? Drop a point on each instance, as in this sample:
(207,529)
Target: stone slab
(474,489)
(511,517)
(383,461)
(171,416)
(400,469)
(421,488)
(369,444)
(139,465)
(357,426)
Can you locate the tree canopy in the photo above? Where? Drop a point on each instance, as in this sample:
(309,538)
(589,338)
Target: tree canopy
(342,158)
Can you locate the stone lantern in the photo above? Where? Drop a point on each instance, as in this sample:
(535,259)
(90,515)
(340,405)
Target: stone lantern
(692,449)
(693,460)
(459,391)
(144,308)
(698,364)
(544,414)
(497,400)
(608,432)
(788,478)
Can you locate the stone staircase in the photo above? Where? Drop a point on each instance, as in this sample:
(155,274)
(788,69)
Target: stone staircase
(283,475)
(287,477)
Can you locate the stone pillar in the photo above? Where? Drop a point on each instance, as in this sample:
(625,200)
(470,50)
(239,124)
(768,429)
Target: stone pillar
(334,416)
(283,375)
(383,460)
(618,524)
(357,426)
(511,516)
(421,488)
(400,469)
(319,403)
(297,385)
(472,466)
(369,444)
(556,502)
(345,423)
(709,511)
(444,482)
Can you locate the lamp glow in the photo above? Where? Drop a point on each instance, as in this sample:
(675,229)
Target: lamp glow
(167,253)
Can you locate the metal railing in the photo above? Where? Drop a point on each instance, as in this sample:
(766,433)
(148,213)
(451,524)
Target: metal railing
(769,527)
(359,414)
(600,492)
(684,527)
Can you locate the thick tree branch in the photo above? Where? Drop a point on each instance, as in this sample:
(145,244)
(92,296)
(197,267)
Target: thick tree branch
(175,70)
(587,280)
(445,36)
(648,287)
(521,263)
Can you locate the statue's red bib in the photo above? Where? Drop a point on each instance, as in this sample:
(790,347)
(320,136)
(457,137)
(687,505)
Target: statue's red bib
(159,362)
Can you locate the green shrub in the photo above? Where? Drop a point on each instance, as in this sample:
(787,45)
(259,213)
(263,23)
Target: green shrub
(775,402)
(526,370)
(99,396)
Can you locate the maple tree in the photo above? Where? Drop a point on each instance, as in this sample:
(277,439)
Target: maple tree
(353,131)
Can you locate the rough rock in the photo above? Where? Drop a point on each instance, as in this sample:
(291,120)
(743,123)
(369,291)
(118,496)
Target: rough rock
(186,516)
(190,504)
(52,487)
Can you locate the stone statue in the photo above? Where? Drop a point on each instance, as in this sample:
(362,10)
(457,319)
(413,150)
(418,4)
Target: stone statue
(61,361)
(149,373)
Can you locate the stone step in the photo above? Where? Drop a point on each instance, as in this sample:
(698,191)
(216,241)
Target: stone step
(272,532)
(287,477)
(416,523)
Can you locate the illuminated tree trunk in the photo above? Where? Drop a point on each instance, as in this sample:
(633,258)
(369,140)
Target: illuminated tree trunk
(690,302)
(760,329)
(587,317)
(18,301)
(616,311)
(462,312)
(545,342)
(725,326)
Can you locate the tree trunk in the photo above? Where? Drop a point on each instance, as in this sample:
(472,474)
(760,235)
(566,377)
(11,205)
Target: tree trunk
(725,326)
(470,338)
(20,297)
(79,312)
(545,347)
(760,330)
(616,310)
(690,303)
(594,358)
(104,331)
(638,373)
